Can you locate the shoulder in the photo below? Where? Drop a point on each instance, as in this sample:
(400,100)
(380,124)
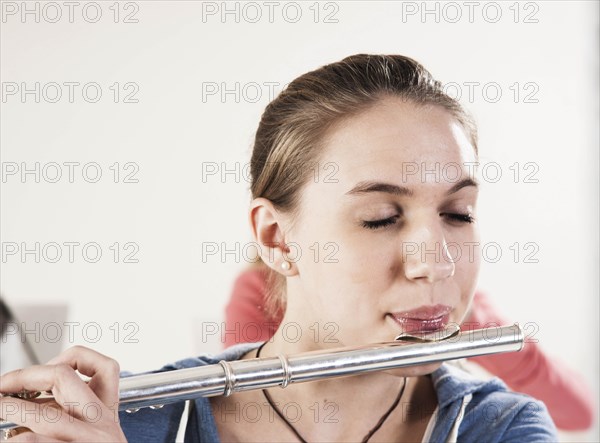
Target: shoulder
(504,416)
(487,411)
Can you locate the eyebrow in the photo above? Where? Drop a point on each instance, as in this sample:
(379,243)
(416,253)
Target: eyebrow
(370,186)
(462,184)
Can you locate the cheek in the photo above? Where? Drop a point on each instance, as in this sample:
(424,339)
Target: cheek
(464,248)
(343,274)
(337,254)
(465,278)
(372,268)
(467,268)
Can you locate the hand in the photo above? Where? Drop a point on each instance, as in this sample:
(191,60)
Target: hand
(80,411)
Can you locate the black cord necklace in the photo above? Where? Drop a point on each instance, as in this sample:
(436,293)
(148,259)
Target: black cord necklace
(365,438)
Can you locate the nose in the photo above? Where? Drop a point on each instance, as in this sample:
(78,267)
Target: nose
(426,256)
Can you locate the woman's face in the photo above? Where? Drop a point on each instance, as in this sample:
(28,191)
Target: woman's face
(385,230)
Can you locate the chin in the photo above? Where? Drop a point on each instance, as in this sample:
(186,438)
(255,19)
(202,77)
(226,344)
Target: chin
(414,371)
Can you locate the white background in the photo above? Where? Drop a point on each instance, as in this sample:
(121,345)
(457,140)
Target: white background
(175,51)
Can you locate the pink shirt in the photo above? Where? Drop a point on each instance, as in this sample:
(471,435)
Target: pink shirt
(530,371)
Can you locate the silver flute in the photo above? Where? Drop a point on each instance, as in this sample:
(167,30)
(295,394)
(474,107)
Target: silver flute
(227,377)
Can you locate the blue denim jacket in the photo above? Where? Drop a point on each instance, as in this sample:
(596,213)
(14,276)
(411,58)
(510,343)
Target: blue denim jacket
(469,410)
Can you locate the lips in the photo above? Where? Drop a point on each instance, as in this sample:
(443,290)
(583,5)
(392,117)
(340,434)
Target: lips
(425,318)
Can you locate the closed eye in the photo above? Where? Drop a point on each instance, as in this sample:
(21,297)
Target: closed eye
(461,218)
(377,224)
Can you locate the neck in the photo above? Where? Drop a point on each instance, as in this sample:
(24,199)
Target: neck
(295,336)
(384,399)
(377,390)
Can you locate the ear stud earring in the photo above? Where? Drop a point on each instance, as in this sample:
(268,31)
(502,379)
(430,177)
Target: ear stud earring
(286,266)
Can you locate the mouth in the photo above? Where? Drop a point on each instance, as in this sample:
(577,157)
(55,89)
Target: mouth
(423,319)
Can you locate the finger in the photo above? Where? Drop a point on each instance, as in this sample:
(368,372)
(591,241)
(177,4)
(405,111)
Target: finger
(103,370)
(26,435)
(9,433)
(45,418)
(69,390)
(33,378)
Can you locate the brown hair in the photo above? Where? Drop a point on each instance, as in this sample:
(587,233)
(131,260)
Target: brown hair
(292,127)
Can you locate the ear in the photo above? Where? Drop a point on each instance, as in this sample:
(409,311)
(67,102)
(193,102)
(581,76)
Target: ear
(267,224)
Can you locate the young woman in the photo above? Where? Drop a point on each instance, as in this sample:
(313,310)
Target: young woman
(373,120)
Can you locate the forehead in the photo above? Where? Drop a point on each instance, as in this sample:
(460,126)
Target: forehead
(395,136)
